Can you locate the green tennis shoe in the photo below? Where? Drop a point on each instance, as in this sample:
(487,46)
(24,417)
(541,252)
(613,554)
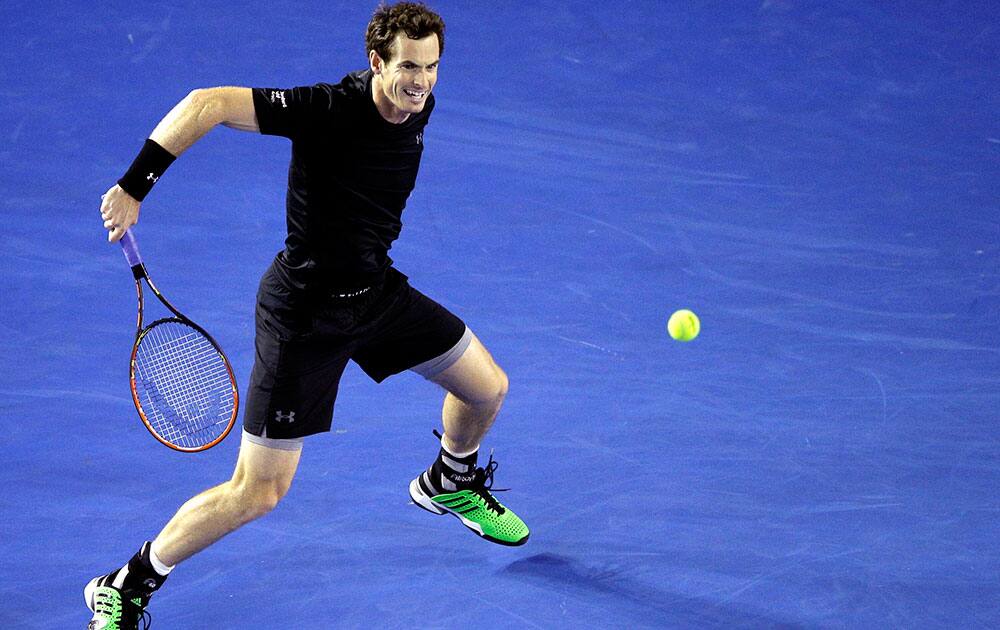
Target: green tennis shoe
(112,609)
(474,505)
(114,612)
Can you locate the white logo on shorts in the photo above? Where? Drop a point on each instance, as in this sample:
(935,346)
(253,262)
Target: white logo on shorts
(284,416)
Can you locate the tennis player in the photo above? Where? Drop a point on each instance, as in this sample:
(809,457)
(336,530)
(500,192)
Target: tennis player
(330,296)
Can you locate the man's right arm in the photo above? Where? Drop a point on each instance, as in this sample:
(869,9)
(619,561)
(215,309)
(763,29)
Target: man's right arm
(189,120)
(200,111)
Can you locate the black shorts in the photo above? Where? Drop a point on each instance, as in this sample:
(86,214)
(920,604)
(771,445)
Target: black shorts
(302,347)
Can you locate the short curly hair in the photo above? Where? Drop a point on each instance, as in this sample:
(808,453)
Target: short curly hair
(412,18)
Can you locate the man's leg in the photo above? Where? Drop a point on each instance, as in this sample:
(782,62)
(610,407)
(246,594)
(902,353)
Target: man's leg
(264,472)
(476,388)
(262,477)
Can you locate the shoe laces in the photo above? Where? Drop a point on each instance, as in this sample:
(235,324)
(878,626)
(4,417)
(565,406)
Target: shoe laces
(134,608)
(143,620)
(482,485)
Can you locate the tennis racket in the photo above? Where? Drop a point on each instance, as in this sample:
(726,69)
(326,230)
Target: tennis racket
(182,384)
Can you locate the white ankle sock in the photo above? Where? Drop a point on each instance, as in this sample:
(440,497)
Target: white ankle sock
(456,454)
(158,566)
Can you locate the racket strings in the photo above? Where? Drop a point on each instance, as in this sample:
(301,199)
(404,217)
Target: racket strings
(183,385)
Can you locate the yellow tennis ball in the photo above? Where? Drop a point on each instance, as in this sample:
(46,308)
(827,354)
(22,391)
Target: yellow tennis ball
(684,325)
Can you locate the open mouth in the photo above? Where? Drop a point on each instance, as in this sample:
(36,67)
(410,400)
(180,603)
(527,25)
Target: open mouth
(415,94)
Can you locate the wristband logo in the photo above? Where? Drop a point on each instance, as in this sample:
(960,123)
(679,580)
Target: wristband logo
(279,95)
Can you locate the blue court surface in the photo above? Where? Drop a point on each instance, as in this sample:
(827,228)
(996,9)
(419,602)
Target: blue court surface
(818,181)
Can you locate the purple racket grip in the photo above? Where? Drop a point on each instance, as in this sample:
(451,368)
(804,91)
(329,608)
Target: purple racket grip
(131,249)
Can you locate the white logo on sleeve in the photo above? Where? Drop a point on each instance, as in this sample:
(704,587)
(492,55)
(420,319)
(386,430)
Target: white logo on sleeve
(279,95)
(284,416)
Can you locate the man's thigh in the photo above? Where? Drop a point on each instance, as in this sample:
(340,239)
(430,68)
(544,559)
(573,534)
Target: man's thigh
(271,464)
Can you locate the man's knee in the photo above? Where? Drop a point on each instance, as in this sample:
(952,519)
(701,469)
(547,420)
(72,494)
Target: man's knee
(257,497)
(262,478)
(502,383)
(475,379)
(487,389)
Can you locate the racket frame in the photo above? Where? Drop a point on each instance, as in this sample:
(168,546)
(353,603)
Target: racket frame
(131,250)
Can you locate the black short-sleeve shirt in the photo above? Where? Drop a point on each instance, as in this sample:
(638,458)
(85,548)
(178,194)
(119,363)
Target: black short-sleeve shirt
(350,175)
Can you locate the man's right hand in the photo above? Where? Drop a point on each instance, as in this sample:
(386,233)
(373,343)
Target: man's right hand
(120,211)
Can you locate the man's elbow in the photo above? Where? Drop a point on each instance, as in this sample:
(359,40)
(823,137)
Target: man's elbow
(208,103)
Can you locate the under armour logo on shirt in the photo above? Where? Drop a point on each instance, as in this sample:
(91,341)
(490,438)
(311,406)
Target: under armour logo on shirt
(278,95)
(284,416)
(420,138)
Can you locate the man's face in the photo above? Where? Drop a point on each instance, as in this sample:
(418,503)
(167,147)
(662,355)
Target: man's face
(404,83)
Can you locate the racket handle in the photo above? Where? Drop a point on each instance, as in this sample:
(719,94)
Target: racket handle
(131,249)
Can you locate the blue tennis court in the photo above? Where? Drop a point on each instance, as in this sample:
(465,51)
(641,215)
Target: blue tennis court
(820,182)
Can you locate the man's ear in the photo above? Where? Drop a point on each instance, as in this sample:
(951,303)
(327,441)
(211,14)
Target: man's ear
(375,62)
